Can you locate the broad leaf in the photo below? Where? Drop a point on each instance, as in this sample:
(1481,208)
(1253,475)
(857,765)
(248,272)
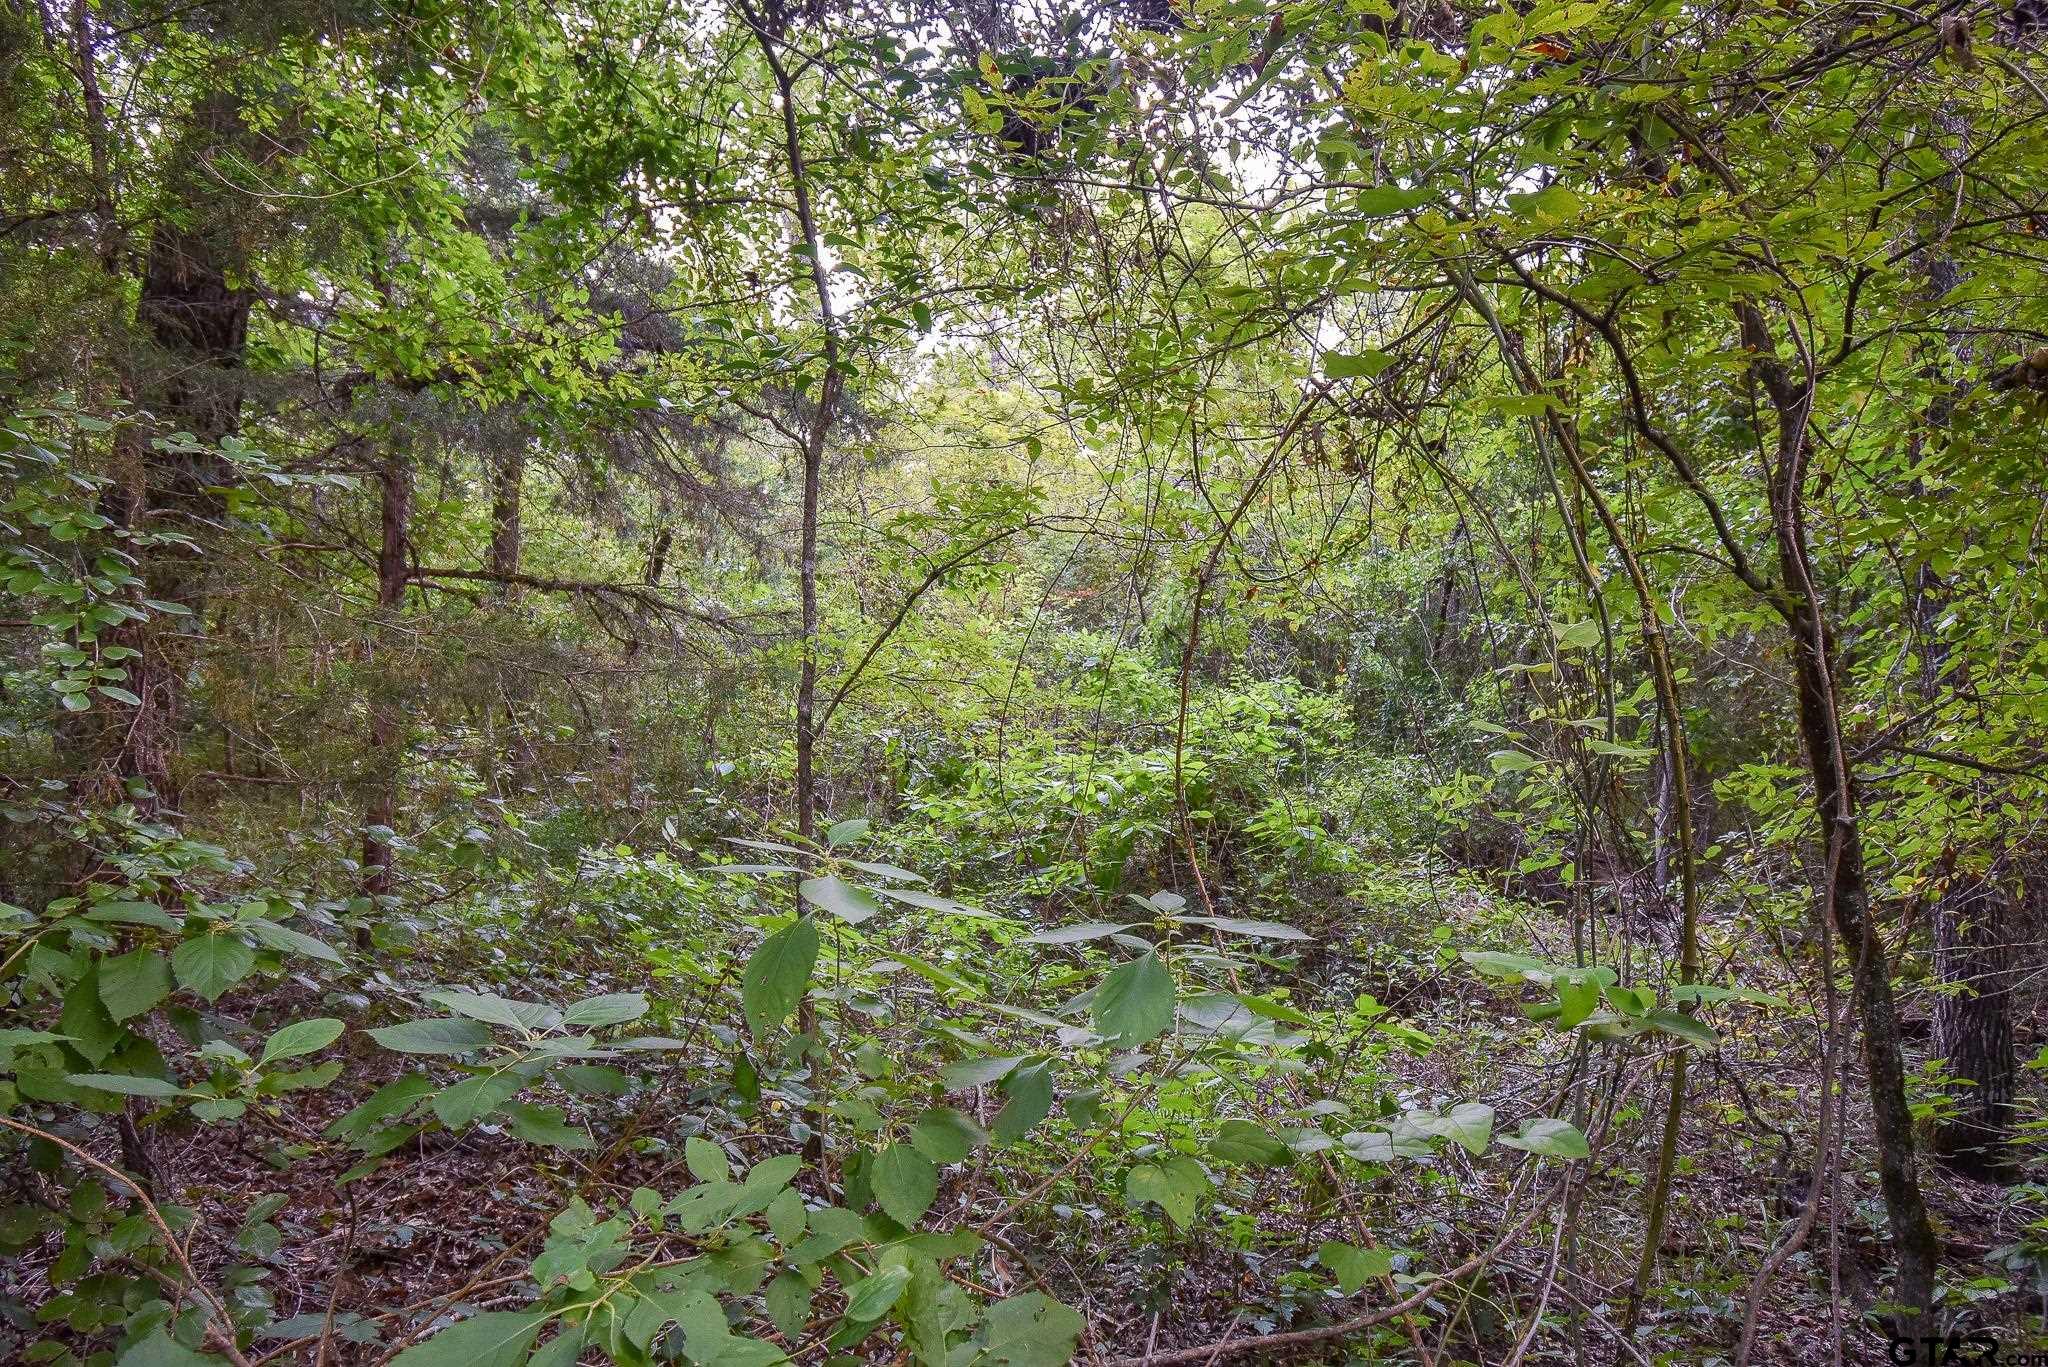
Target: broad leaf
(846,832)
(1685,1027)
(1134,1004)
(441,1035)
(614,1008)
(496,1338)
(977,1072)
(292,941)
(1176,1186)
(210,964)
(496,1010)
(1075,934)
(944,1135)
(870,1298)
(1240,1141)
(778,975)
(126,1084)
(301,1038)
(1237,925)
(1551,1138)
(1031,1330)
(132,983)
(849,903)
(706,1161)
(1029,1093)
(544,1125)
(905,1183)
(473,1098)
(933,902)
(1354,1266)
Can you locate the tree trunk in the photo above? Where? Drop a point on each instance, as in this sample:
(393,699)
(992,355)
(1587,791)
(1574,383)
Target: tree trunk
(1847,897)
(1844,886)
(508,493)
(196,327)
(816,435)
(380,813)
(1973,1026)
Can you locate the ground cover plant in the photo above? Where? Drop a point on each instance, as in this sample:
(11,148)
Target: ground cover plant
(1170,681)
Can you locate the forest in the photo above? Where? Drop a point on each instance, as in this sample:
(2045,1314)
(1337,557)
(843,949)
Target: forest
(990,683)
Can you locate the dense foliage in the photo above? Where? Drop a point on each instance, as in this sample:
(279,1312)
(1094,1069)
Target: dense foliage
(1153,682)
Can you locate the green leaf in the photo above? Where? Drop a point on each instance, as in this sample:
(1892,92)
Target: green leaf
(787,1217)
(789,1304)
(126,1084)
(1075,934)
(1030,1100)
(301,1038)
(933,902)
(831,1230)
(775,845)
(563,1350)
(544,1125)
(1175,1186)
(1134,1004)
(778,975)
(894,872)
(1272,1010)
(392,1099)
(944,1135)
(1470,1123)
(905,1183)
(771,1175)
(706,1161)
(496,1338)
(978,1072)
(1577,994)
(1353,1266)
(475,1097)
(161,1350)
(211,964)
(441,1035)
(1551,1138)
(1031,1330)
(1629,1001)
(496,1010)
(134,914)
(1512,762)
(1685,1027)
(849,903)
(1578,635)
(292,941)
(1547,207)
(1340,365)
(846,832)
(134,982)
(615,1008)
(84,1018)
(870,1298)
(1237,925)
(1708,995)
(1240,1141)
(1495,964)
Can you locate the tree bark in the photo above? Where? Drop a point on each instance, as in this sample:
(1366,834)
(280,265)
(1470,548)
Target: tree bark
(1844,886)
(508,494)
(195,324)
(816,436)
(380,812)
(1973,1026)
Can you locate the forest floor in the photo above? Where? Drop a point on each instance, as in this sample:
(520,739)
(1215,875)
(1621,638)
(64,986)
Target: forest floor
(454,1218)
